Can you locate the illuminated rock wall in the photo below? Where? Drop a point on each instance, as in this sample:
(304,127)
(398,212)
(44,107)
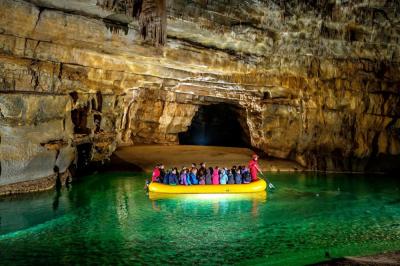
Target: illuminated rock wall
(316,83)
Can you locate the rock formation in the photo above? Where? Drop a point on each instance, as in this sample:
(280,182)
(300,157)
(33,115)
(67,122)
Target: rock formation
(314,81)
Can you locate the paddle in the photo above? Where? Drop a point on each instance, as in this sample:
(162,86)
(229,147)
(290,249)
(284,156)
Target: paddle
(270,185)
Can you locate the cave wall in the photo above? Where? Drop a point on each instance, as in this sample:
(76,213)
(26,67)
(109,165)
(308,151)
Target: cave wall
(318,81)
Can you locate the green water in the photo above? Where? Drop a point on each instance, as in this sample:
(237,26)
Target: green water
(108,219)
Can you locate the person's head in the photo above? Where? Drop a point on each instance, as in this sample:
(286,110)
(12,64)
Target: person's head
(228,172)
(216,168)
(234,167)
(194,170)
(161,166)
(174,170)
(183,171)
(238,171)
(240,167)
(255,157)
(203,164)
(193,165)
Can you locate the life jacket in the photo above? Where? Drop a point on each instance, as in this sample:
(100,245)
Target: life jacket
(183,179)
(173,179)
(253,169)
(156,175)
(223,178)
(215,177)
(166,179)
(193,179)
(231,180)
(238,179)
(208,179)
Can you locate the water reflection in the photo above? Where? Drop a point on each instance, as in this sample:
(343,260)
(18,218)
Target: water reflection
(111,214)
(219,203)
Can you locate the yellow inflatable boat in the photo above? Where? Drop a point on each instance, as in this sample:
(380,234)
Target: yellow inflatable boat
(256,186)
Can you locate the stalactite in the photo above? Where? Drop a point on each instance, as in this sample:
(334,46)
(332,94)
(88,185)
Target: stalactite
(152,21)
(150,13)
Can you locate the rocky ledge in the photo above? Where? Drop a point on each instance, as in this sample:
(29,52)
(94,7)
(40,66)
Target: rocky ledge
(313,82)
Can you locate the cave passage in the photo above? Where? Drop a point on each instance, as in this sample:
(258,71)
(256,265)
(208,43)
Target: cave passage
(217,125)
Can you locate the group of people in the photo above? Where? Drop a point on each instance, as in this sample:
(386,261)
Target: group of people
(207,176)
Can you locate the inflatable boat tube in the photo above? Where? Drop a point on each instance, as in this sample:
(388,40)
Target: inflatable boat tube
(258,196)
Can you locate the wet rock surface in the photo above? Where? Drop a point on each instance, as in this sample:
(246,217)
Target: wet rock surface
(317,83)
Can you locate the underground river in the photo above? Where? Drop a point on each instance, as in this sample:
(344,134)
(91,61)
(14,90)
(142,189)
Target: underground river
(108,219)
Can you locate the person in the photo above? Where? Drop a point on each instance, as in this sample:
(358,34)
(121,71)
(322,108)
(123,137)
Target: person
(233,170)
(193,177)
(162,173)
(166,178)
(231,180)
(215,176)
(193,167)
(172,178)
(156,174)
(183,178)
(209,172)
(146,185)
(238,177)
(254,169)
(223,178)
(188,177)
(202,180)
(201,173)
(246,175)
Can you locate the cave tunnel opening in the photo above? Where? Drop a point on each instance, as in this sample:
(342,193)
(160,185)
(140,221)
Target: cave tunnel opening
(219,124)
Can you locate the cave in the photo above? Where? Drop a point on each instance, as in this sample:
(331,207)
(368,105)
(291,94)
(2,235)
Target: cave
(217,125)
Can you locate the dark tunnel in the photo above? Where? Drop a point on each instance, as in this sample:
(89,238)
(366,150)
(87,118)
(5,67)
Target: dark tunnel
(217,125)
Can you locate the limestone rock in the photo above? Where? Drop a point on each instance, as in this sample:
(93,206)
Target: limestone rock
(316,82)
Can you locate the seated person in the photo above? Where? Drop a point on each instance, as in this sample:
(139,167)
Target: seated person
(155,177)
(202,180)
(162,173)
(215,176)
(166,177)
(183,177)
(209,172)
(223,177)
(246,177)
(173,178)
(231,179)
(192,177)
(238,177)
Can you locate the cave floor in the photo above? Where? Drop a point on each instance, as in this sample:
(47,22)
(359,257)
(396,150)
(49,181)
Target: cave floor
(146,156)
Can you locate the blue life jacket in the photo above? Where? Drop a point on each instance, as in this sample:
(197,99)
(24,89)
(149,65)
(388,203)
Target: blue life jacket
(193,179)
(223,178)
(231,180)
(246,177)
(173,179)
(238,179)
(166,179)
(188,181)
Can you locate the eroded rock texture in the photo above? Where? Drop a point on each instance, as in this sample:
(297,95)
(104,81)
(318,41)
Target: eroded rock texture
(316,83)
